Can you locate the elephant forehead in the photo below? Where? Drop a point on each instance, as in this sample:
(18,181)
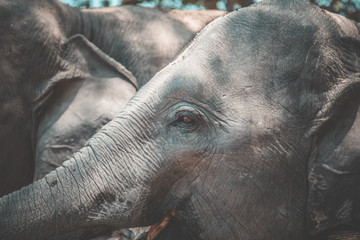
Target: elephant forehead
(259,39)
(192,83)
(265,53)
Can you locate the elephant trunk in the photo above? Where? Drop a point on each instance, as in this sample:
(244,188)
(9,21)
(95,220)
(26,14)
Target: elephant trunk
(102,187)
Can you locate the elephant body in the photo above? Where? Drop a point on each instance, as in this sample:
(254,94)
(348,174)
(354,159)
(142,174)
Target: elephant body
(55,58)
(250,133)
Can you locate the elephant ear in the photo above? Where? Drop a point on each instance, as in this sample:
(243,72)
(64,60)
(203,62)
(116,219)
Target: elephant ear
(79,61)
(333,206)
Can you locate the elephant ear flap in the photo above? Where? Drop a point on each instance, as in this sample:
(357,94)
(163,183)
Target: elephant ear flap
(78,60)
(333,205)
(92,61)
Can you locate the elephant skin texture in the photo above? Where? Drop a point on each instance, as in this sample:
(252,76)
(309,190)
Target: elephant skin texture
(252,132)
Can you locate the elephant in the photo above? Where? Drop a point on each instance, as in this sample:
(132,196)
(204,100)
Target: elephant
(65,72)
(250,133)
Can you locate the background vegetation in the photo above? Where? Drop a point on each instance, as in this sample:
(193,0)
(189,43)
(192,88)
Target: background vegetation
(348,8)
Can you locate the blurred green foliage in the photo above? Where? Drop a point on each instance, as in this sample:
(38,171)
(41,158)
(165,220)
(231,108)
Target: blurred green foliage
(348,8)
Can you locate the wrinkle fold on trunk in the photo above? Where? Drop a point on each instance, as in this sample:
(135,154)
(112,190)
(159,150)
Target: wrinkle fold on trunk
(101,188)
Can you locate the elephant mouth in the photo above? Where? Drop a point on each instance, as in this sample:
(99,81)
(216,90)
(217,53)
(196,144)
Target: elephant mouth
(172,226)
(159,227)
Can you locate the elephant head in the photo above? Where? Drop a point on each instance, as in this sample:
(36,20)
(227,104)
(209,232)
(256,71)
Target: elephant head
(251,133)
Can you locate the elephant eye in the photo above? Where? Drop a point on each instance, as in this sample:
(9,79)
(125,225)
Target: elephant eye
(186,120)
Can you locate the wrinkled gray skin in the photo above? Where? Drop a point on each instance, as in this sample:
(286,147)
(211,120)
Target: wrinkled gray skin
(251,133)
(57,89)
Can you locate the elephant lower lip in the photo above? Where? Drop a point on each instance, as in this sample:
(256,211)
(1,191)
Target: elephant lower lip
(155,229)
